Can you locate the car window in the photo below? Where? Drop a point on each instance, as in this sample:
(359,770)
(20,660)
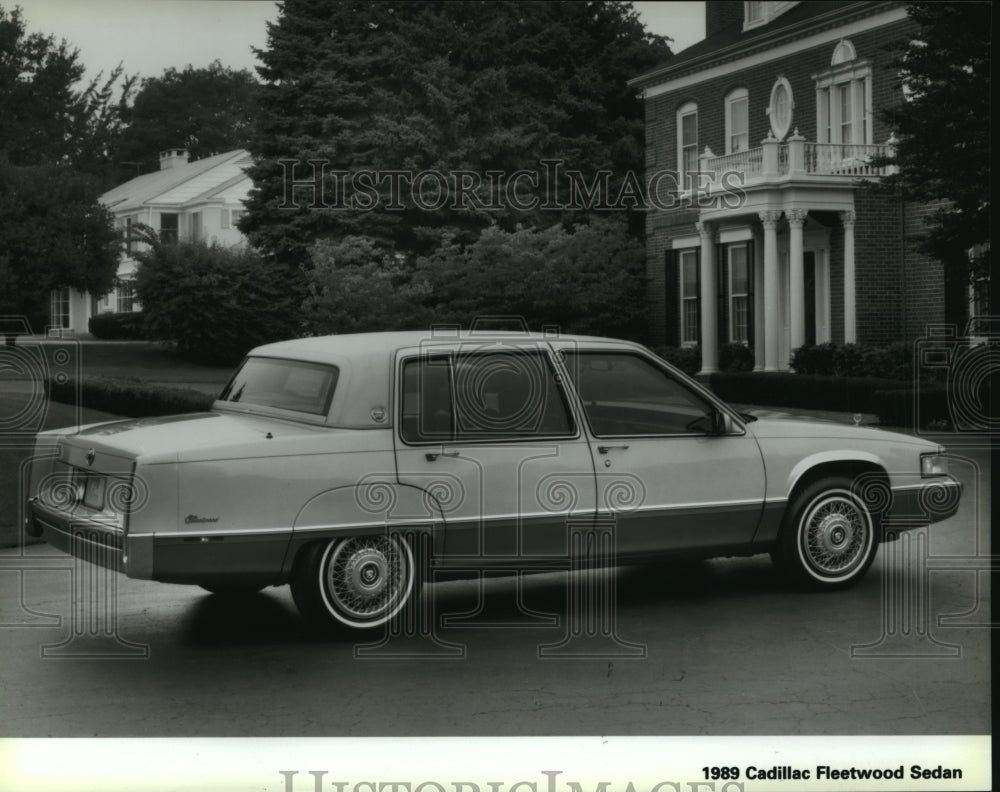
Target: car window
(283,384)
(482,396)
(626,394)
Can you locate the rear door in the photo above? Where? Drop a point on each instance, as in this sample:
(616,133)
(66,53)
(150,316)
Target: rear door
(486,429)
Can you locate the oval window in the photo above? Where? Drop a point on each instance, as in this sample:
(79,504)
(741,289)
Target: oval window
(780,109)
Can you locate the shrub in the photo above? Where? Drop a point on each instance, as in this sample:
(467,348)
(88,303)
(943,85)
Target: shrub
(215,303)
(735,357)
(687,359)
(125,397)
(355,287)
(110,326)
(855,360)
(897,407)
(779,389)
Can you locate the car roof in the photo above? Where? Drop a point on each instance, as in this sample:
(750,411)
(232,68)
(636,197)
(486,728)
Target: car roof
(365,362)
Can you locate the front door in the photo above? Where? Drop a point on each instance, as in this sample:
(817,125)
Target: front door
(673,481)
(486,431)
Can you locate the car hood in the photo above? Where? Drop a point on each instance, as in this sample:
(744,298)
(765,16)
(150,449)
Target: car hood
(192,437)
(795,428)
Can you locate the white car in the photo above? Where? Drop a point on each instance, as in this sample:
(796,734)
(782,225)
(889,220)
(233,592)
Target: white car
(351,466)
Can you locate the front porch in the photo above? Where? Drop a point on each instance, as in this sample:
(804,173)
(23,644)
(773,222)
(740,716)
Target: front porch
(785,202)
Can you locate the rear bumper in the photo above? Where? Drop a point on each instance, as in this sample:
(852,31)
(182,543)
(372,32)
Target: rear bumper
(89,540)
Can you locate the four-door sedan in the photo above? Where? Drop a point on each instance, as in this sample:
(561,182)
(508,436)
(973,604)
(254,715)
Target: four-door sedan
(350,466)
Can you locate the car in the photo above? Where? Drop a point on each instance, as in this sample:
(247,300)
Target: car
(352,467)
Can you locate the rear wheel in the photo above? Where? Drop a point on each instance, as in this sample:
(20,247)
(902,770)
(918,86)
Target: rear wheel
(357,582)
(828,538)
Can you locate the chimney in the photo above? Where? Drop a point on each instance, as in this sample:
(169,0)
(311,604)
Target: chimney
(720,14)
(172,158)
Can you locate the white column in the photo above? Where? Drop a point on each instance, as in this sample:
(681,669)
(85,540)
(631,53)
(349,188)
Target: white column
(850,314)
(796,280)
(770,221)
(709,300)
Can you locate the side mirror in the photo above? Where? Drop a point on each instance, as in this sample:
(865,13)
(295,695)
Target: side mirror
(722,423)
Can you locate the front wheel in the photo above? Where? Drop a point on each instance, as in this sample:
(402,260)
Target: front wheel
(828,537)
(357,582)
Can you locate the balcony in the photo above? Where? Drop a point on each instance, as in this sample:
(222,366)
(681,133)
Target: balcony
(797,161)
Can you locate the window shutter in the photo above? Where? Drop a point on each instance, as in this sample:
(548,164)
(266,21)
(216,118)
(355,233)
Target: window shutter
(673,298)
(722,282)
(697,280)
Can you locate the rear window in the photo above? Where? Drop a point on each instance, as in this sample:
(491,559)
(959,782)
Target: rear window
(283,385)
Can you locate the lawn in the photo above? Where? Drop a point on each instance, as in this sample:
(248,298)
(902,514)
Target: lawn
(149,362)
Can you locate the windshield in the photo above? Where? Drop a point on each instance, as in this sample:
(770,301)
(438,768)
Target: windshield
(283,384)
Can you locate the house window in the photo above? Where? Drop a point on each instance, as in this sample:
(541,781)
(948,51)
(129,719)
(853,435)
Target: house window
(754,11)
(168,226)
(737,115)
(687,141)
(59,308)
(196,232)
(739,294)
(689,296)
(126,296)
(780,108)
(236,215)
(844,99)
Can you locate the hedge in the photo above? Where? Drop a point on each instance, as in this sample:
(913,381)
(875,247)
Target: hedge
(891,400)
(124,397)
(118,326)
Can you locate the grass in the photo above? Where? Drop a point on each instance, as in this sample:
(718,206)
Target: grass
(149,362)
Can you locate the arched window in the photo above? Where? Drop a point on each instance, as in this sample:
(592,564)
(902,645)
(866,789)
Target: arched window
(844,98)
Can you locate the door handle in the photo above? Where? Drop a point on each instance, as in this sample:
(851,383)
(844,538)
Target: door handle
(432,455)
(605,449)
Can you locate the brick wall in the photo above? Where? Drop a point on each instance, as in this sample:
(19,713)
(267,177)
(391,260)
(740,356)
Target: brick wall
(878,253)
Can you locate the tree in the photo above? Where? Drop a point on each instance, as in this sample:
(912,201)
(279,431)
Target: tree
(215,303)
(440,88)
(205,110)
(584,279)
(47,117)
(943,133)
(53,234)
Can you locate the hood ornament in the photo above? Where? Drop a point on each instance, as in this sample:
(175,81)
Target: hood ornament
(90,456)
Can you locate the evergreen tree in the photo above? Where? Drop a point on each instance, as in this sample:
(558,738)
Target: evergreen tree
(443,87)
(943,135)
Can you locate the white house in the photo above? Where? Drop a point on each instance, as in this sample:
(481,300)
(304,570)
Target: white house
(200,200)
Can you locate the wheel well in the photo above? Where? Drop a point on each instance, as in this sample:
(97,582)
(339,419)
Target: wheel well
(847,467)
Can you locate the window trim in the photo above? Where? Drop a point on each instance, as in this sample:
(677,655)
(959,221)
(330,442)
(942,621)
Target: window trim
(669,372)
(732,98)
(682,340)
(685,110)
(455,439)
(857,76)
(745,247)
(778,128)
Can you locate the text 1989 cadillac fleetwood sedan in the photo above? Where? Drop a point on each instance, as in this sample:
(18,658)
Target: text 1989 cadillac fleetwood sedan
(323,459)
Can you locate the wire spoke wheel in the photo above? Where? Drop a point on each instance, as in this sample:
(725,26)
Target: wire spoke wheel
(365,580)
(829,537)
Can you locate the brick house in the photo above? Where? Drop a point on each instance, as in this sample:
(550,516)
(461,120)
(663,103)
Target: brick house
(199,200)
(779,108)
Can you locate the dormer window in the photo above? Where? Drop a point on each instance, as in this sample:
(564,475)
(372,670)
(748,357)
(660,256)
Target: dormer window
(760,12)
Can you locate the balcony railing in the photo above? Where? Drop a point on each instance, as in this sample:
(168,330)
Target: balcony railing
(798,159)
